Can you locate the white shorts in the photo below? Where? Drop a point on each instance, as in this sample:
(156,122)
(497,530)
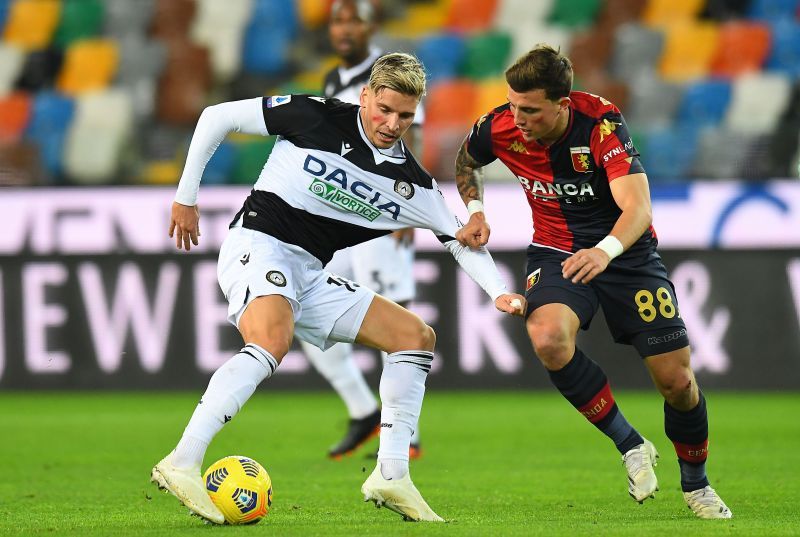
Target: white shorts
(327,308)
(381,264)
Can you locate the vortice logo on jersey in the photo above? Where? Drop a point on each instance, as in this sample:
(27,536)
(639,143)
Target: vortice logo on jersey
(276,277)
(606,128)
(339,196)
(618,150)
(404,188)
(277,100)
(342,199)
(517,146)
(533,279)
(581,159)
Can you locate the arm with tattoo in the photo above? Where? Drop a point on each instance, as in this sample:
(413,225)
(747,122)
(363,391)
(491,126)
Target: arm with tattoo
(469,180)
(469,176)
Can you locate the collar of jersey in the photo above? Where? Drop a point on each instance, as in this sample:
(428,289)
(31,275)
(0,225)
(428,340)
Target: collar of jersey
(347,74)
(382,155)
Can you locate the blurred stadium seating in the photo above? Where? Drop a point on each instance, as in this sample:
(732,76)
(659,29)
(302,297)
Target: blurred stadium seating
(108,91)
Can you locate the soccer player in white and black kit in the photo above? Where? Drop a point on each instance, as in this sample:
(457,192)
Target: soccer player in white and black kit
(384,264)
(338,175)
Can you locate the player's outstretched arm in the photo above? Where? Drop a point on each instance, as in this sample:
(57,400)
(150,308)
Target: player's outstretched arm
(213,126)
(481,268)
(631,194)
(469,180)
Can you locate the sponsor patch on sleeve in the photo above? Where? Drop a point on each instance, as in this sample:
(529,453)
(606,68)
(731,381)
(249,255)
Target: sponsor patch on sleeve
(277,100)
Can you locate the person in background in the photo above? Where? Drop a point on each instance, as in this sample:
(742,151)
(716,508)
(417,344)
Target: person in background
(385,264)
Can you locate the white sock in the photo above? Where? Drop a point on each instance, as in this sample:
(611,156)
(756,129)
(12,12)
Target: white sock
(228,390)
(341,371)
(393,468)
(402,389)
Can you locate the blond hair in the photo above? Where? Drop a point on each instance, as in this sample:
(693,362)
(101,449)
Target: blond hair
(400,72)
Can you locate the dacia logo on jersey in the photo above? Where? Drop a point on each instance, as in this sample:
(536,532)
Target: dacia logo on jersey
(517,146)
(341,198)
(277,100)
(606,128)
(533,279)
(581,159)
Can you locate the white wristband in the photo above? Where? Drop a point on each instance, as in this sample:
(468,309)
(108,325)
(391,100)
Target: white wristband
(474,206)
(611,246)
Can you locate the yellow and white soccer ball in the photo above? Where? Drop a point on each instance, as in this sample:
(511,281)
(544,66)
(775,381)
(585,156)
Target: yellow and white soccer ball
(240,488)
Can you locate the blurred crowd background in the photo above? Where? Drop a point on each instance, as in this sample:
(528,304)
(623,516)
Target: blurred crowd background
(108,91)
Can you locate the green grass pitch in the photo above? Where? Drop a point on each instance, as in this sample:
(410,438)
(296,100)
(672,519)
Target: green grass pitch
(495,463)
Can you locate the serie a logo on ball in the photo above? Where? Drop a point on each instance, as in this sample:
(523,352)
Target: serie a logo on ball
(240,488)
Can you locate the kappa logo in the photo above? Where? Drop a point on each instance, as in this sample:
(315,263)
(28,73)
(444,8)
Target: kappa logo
(278,100)
(533,279)
(346,148)
(404,188)
(276,277)
(517,146)
(606,127)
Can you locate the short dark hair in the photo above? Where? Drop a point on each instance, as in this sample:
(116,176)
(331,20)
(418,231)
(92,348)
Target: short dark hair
(543,68)
(363,8)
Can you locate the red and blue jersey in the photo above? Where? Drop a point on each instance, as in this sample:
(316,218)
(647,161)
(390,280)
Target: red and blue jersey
(567,182)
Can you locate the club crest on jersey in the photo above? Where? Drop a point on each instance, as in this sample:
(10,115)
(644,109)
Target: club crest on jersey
(276,277)
(353,196)
(581,159)
(277,100)
(533,279)
(404,188)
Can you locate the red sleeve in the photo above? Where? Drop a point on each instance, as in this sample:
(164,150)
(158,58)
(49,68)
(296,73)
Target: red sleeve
(613,146)
(479,141)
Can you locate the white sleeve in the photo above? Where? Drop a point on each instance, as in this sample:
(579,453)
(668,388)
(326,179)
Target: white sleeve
(480,267)
(215,123)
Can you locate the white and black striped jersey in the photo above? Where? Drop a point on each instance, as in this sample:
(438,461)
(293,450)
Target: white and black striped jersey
(326,186)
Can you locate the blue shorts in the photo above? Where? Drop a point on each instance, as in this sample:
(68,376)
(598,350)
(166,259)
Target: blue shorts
(637,297)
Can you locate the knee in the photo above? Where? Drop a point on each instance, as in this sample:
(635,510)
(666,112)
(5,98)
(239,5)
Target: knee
(416,335)
(425,338)
(552,345)
(274,340)
(679,388)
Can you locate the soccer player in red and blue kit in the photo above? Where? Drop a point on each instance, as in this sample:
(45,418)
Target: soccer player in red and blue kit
(593,245)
